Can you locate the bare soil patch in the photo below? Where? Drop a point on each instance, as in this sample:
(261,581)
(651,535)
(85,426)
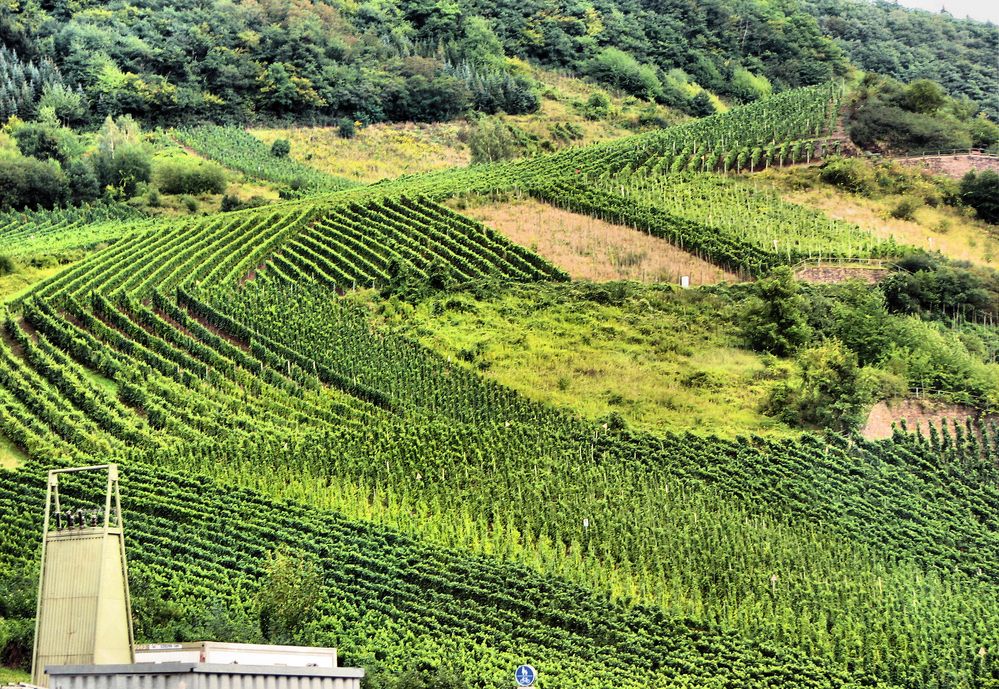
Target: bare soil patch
(590,249)
(917,413)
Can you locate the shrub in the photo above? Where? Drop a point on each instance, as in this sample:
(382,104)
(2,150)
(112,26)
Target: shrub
(31,183)
(47,140)
(621,70)
(230,203)
(491,141)
(850,174)
(190,203)
(701,105)
(831,393)
(346,128)
(906,208)
(123,170)
(281,148)
(981,192)
(774,320)
(84,186)
(597,107)
(188,177)
(7,265)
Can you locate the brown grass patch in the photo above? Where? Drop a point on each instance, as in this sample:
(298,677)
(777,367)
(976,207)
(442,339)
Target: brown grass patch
(941,229)
(590,249)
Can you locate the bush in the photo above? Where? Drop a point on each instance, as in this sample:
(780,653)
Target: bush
(46,140)
(190,177)
(31,183)
(889,117)
(981,192)
(190,203)
(346,128)
(884,385)
(621,70)
(774,321)
(597,107)
(906,208)
(231,202)
(84,186)
(123,170)
(7,265)
(281,148)
(831,393)
(701,105)
(290,592)
(850,174)
(491,141)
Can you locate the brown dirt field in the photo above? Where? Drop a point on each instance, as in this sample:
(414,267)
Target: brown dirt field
(916,412)
(591,249)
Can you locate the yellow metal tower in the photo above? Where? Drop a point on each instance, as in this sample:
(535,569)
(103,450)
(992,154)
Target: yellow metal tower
(84,614)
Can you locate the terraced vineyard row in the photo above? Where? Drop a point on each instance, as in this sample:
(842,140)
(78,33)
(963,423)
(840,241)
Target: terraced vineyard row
(219,248)
(239,150)
(393,597)
(721,220)
(335,244)
(373,244)
(286,391)
(759,218)
(27,233)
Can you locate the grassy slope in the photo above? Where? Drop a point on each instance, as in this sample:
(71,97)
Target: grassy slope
(170,205)
(20,281)
(389,150)
(13,676)
(942,228)
(663,360)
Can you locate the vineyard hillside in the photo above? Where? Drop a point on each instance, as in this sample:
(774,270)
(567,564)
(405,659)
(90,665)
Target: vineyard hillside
(368,416)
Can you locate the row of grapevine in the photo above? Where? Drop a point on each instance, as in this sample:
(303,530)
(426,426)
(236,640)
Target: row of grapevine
(220,248)
(239,150)
(374,243)
(405,601)
(29,233)
(248,390)
(738,209)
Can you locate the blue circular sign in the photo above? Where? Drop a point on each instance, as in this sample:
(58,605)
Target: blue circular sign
(526,675)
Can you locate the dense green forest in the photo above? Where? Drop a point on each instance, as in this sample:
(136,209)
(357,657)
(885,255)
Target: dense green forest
(173,63)
(888,39)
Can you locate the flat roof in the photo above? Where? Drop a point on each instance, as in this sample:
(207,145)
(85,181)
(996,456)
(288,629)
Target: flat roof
(205,669)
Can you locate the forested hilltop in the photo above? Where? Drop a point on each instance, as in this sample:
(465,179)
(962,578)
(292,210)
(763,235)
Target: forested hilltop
(429,60)
(908,44)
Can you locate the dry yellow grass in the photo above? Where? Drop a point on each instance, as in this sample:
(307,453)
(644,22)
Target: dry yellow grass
(591,249)
(941,229)
(385,151)
(378,151)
